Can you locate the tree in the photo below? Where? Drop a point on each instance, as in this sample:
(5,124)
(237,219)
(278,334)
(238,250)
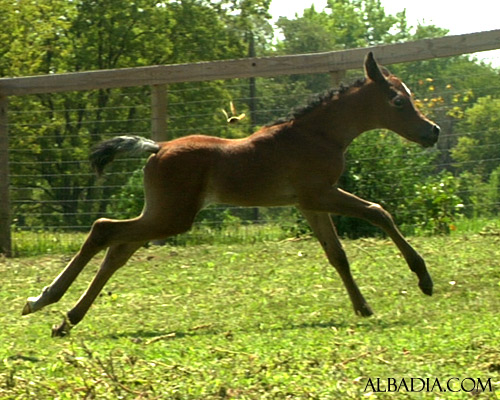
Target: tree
(477,149)
(342,25)
(50,143)
(50,146)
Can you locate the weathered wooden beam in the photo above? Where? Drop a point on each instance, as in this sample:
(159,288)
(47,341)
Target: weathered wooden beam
(252,67)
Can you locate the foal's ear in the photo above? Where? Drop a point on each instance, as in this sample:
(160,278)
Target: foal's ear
(372,69)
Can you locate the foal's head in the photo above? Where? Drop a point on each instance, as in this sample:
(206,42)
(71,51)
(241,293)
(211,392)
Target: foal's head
(395,107)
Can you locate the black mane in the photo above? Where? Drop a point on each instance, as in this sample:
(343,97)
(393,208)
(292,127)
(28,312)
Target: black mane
(316,100)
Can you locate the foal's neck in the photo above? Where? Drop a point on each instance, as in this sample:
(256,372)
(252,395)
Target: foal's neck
(344,117)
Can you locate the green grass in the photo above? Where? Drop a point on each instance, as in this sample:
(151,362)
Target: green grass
(264,320)
(27,243)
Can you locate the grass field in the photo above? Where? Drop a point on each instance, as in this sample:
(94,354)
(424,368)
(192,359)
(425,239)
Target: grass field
(268,320)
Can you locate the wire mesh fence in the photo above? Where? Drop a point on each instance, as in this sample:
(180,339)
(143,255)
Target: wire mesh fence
(53,188)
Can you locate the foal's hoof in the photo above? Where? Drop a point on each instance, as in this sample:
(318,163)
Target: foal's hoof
(28,309)
(31,305)
(364,311)
(62,329)
(35,303)
(426,285)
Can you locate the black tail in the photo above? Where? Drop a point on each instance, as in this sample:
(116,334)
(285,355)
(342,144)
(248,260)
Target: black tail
(105,152)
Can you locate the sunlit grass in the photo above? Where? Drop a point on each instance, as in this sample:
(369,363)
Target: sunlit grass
(27,243)
(262,320)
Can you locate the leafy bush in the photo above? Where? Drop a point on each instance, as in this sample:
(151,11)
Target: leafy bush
(481,198)
(493,192)
(383,168)
(478,147)
(435,205)
(129,201)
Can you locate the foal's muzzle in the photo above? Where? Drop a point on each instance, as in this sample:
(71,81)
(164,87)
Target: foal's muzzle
(432,137)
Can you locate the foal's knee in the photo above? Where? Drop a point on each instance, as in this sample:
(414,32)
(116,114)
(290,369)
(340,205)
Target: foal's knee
(379,216)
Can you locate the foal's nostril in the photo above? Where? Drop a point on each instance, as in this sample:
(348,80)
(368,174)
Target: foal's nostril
(436,130)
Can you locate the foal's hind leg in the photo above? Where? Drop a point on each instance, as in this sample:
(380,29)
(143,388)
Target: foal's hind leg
(326,233)
(104,233)
(53,293)
(123,238)
(116,257)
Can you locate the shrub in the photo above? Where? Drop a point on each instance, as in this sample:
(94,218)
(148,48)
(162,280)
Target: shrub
(435,205)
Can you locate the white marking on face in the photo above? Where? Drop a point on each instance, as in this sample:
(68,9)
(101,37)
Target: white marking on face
(408,91)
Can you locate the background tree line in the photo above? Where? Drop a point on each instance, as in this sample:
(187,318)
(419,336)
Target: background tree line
(50,135)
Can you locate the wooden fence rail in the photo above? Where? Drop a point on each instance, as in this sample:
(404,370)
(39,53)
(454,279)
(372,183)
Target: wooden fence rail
(252,67)
(158,77)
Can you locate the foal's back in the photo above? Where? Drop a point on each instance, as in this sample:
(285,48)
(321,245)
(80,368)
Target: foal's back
(252,171)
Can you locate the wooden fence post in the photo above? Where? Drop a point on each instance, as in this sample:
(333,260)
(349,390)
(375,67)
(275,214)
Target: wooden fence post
(159,122)
(5,234)
(337,77)
(159,113)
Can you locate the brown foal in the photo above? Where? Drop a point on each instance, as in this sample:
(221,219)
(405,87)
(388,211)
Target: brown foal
(294,162)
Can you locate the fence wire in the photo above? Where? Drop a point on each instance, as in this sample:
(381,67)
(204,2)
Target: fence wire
(53,187)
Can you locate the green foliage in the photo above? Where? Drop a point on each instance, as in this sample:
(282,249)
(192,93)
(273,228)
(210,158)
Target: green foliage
(51,135)
(343,24)
(401,177)
(30,243)
(481,199)
(383,168)
(476,157)
(128,202)
(267,320)
(493,192)
(436,205)
(478,149)
(50,146)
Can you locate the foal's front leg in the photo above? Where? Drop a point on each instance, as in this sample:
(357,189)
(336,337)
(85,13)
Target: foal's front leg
(322,225)
(338,201)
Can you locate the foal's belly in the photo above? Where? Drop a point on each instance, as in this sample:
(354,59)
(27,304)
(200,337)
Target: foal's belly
(250,192)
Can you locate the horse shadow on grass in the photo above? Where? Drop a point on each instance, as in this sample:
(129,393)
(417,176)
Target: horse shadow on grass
(150,336)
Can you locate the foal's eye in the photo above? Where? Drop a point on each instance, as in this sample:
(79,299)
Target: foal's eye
(398,101)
